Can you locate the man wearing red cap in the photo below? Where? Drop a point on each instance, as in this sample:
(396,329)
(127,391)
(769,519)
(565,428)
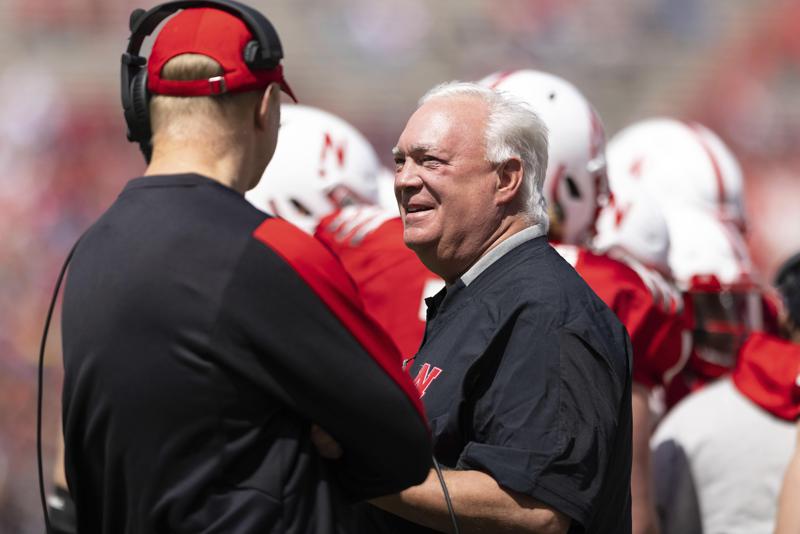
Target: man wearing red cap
(203,338)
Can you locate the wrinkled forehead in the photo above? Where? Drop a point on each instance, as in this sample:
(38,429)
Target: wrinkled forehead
(448,124)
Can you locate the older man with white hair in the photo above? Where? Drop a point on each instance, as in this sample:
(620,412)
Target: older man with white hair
(524,372)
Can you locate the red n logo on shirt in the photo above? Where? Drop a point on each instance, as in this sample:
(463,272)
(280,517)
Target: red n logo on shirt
(425,376)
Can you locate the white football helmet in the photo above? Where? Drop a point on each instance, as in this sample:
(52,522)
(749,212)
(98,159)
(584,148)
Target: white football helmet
(575,186)
(702,245)
(386,198)
(632,222)
(321,164)
(684,165)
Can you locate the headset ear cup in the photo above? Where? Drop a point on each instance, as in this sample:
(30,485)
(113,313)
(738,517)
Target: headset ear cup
(251,53)
(140,111)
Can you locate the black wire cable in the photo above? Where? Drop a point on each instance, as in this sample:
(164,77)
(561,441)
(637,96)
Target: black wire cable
(40,388)
(446,496)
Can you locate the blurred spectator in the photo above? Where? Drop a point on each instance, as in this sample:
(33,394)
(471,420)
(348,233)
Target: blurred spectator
(51,150)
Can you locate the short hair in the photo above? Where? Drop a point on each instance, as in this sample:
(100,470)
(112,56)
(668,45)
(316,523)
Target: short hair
(171,113)
(787,281)
(513,129)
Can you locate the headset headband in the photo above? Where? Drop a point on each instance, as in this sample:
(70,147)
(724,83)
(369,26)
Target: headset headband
(143,23)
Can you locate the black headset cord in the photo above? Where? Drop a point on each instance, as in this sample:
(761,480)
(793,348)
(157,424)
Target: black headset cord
(40,387)
(446,496)
(439,473)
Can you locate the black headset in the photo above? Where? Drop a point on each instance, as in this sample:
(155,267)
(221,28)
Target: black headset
(262,53)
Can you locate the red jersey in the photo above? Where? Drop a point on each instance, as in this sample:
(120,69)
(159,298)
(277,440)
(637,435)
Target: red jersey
(645,303)
(392,281)
(768,373)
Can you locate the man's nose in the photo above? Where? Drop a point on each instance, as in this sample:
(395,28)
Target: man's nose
(407,177)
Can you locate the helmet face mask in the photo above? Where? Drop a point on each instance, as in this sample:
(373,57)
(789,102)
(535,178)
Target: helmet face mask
(723,317)
(576,185)
(321,164)
(711,264)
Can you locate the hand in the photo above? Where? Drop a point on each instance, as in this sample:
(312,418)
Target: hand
(355,222)
(327,447)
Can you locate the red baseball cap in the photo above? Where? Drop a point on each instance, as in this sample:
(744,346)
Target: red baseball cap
(218,35)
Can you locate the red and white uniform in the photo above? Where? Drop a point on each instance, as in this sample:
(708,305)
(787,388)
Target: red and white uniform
(645,304)
(392,281)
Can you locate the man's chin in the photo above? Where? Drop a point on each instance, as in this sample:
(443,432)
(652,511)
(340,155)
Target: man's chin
(416,241)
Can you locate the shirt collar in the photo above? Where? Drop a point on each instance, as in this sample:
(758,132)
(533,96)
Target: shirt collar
(506,246)
(173,180)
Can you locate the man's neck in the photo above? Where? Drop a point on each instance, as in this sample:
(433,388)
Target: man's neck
(180,158)
(509,227)
(515,225)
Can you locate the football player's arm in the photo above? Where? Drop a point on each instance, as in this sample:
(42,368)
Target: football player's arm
(657,351)
(643,509)
(480,505)
(788,517)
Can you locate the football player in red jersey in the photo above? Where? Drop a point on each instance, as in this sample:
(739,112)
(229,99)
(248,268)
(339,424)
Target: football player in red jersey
(576,187)
(336,198)
(697,183)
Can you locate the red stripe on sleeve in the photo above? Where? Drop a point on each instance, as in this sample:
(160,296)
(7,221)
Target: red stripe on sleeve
(324,274)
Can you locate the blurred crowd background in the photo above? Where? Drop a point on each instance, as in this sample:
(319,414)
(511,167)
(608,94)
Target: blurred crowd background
(733,65)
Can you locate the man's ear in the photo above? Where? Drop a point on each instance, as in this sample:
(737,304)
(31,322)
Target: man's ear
(510,175)
(268,121)
(268,111)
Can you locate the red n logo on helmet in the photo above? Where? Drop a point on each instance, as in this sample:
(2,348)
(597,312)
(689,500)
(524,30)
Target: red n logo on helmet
(337,150)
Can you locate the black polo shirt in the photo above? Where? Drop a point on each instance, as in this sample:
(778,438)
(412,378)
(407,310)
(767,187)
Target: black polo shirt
(201,339)
(526,375)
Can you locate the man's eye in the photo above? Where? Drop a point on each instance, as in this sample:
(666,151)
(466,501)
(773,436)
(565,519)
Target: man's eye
(431,161)
(398,163)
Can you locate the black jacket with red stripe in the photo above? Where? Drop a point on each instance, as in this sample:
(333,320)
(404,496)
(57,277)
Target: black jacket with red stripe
(201,340)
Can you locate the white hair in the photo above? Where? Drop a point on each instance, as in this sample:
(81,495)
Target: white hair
(513,129)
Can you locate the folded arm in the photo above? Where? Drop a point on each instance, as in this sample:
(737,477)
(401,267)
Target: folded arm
(480,505)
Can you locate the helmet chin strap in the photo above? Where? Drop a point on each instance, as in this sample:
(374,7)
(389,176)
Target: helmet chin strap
(556,214)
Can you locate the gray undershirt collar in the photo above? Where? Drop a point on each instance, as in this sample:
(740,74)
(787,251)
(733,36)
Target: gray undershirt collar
(499,251)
